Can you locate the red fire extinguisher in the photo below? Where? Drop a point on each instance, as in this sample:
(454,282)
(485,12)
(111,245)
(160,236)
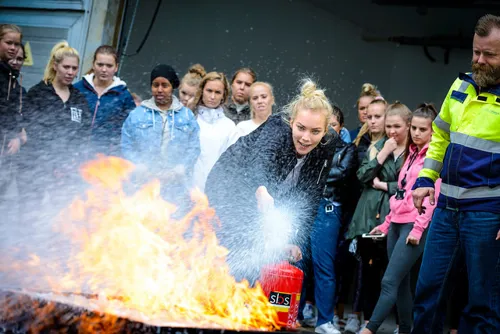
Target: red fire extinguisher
(282,284)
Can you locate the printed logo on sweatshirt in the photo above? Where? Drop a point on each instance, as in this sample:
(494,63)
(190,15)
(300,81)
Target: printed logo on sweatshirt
(76,115)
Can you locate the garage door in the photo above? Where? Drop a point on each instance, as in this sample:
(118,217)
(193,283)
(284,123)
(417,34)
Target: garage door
(44,23)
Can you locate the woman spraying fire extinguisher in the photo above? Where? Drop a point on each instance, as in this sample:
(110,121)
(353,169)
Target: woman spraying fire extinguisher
(281,166)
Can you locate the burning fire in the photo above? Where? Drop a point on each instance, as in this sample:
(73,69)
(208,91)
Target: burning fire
(141,264)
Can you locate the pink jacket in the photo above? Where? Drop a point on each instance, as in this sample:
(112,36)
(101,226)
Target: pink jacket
(403,211)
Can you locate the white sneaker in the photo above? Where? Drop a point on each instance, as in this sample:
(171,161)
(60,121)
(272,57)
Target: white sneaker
(327,328)
(352,325)
(396,331)
(310,315)
(336,322)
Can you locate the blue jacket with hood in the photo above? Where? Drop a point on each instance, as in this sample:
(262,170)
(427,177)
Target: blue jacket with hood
(108,113)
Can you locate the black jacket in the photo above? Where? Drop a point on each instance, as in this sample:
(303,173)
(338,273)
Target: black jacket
(342,174)
(11,93)
(58,132)
(264,158)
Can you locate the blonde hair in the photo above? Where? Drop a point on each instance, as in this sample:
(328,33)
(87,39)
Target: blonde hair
(368,90)
(6,28)
(60,51)
(260,83)
(194,76)
(212,76)
(398,109)
(364,129)
(311,97)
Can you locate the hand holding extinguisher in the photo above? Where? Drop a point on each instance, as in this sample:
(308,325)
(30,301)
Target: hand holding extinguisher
(294,253)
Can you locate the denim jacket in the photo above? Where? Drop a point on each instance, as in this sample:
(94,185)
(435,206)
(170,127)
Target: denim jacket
(143,136)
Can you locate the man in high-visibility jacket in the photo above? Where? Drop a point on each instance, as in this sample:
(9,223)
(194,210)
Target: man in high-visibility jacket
(465,229)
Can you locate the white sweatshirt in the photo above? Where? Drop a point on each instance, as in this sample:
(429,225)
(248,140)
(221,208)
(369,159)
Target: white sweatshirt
(215,129)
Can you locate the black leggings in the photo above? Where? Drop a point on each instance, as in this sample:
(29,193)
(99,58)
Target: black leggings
(374,262)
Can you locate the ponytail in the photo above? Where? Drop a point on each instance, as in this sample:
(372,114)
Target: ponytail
(57,55)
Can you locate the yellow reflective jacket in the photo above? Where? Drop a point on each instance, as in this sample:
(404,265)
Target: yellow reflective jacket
(465,148)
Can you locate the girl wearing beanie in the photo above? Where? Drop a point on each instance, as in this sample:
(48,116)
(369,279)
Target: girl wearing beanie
(161,136)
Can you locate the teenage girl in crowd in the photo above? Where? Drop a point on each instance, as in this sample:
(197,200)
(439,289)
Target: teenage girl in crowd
(406,230)
(109,100)
(161,137)
(215,127)
(12,137)
(368,93)
(189,85)
(11,92)
(58,125)
(352,266)
(18,61)
(378,174)
(237,108)
(261,107)
(337,123)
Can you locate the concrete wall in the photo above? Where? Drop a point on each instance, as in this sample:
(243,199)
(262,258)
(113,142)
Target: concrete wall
(105,19)
(283,40)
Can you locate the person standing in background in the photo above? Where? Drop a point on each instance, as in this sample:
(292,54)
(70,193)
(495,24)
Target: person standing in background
(368,93)
(17,61)
(405,229)
(161,137)
(261,107)
(379,175)
(189,85)
(58,124)
(237,108)
(108,99)
(337,123)
(12,137)
(215,127)
(11,92)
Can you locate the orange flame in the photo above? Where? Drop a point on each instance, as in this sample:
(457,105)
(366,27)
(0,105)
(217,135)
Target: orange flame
(137,258)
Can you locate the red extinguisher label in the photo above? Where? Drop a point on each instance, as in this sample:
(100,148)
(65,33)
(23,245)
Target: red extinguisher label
(280,299)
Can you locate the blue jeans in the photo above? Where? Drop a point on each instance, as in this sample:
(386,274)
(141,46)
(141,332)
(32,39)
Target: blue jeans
(455,238)
(324,239)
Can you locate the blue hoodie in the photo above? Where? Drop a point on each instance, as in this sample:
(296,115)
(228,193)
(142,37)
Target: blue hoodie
(108,113)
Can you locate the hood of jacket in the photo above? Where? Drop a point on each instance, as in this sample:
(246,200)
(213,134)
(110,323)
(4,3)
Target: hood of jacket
(210,115)
(151,104)
(117,84)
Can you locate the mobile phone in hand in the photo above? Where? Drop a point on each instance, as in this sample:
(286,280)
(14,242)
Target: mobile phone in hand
(373,236)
